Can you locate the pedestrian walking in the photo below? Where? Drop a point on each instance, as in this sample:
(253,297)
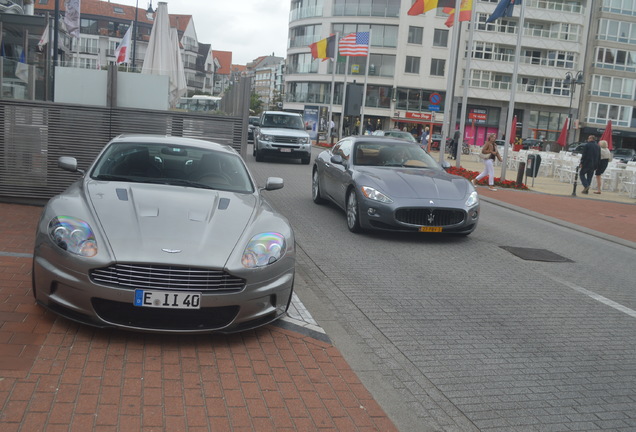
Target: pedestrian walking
(490,152)
(590,158)
(606,155)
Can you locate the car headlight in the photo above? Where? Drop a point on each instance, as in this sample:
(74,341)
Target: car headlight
(264,137)
(263,249)
(375,195)
(304,140)
(73,235)
(473,199)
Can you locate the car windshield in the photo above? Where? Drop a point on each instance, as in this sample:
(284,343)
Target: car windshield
(393,154)
(402,135)
(622,152)
(172,165)
(283,121)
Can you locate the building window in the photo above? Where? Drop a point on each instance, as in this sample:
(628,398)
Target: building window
(382,36)
(614,87)
(437,67)
(118,10)
(617,31)
(440,38)
(88,45)
(623,7)
(88,26)
(412,65)
(483,50)
(600,113)
(378,96)
(378,8)
(302,64)
(303,36)
(611,58)
(415,35)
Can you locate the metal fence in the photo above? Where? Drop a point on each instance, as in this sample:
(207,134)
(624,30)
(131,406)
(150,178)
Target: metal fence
(33,135)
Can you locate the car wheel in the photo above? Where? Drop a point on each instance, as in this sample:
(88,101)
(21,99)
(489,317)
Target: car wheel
(259,156)
(315,188)
(353,210)
(305,160)
(254,149)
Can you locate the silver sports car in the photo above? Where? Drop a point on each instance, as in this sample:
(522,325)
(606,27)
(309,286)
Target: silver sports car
(164,234)
(390,184)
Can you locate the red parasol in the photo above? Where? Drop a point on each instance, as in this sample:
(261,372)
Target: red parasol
(563,138)
(607,135)
(513,131)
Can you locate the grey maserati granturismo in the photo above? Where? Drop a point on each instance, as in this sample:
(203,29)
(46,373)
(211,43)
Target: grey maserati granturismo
(389,184)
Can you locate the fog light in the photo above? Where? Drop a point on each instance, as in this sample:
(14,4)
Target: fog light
(371,211)
(474,214)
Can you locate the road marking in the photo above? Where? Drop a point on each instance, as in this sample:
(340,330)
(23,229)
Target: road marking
(15,254)
(597,297)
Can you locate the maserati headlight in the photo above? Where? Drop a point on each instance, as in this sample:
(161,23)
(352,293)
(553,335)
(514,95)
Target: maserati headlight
(73,235)
(263,249)
(375,195)
(473,199)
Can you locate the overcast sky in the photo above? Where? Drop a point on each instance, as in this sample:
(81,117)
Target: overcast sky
(248,28)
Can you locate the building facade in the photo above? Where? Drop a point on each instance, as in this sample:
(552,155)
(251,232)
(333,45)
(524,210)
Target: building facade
(409,66)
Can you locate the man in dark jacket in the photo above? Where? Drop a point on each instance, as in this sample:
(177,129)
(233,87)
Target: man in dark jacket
(590,159)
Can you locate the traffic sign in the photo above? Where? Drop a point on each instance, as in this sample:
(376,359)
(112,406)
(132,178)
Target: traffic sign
(433,107)
(435,98)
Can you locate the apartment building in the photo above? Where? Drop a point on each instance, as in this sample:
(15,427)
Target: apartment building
(409,65)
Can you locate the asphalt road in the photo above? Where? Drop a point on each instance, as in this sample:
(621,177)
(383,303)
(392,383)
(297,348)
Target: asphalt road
(458,333)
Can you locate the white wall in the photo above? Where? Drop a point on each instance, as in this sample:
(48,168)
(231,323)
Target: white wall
(89,87)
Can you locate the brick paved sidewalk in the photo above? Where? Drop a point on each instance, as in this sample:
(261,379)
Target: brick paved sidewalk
(59,375)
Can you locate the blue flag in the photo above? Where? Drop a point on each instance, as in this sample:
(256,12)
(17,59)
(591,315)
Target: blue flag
(503,9)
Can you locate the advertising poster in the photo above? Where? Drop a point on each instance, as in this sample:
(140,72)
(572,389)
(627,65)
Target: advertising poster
(310,115)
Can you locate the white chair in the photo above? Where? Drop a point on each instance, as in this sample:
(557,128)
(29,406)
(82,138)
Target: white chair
(628,181)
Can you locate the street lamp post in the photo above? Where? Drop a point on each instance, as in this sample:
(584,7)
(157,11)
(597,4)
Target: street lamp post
(134,47)
(572,81)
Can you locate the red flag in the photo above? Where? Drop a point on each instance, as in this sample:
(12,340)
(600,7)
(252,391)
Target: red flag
(423,6)
(563,138)
(513,131)
(607,135)
(465,12)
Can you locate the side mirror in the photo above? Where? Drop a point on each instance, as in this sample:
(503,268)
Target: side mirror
(337,159)
(273,183)
(446,165)
(67,163)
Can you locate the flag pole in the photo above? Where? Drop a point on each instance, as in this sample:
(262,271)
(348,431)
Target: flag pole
(513,90)
(364,89)
(450,82)
(344,95)
(467,73)
(334,63)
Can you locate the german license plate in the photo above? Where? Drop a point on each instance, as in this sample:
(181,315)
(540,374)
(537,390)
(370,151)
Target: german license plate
(285,150)
(430,229)
(167,299)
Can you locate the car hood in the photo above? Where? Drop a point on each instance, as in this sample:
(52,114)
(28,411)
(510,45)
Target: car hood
(284,132)
(414,183)
(159,224)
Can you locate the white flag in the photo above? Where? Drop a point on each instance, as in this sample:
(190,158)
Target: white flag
(72,17)
(122,53)
(44,39)
(22,69)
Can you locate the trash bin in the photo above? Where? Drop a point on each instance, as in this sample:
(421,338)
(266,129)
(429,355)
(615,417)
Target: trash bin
(533,164)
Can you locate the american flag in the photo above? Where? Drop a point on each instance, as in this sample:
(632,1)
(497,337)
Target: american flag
(355,45)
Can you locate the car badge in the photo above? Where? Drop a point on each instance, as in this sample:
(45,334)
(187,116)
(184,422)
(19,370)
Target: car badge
(431,218)
(171,250)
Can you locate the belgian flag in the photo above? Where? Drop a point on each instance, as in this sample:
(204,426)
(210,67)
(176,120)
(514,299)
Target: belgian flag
(324,49)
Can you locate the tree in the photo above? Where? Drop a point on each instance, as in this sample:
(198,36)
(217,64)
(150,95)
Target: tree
(256,105)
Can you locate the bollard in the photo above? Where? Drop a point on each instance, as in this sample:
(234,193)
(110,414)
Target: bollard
(520,171)
(576,177)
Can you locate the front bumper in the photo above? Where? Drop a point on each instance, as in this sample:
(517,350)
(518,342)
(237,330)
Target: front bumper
(71,293)
(411,216)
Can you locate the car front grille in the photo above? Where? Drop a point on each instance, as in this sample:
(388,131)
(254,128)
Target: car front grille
(164,319)
(150,276)
(285,140)
(430,216)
